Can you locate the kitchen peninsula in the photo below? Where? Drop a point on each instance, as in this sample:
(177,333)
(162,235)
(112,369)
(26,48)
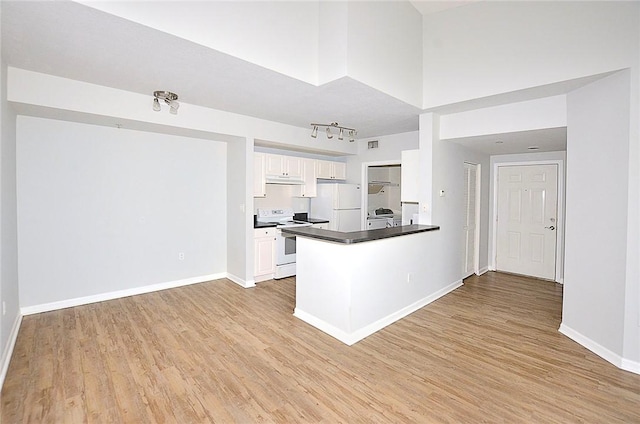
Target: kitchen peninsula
(351,285)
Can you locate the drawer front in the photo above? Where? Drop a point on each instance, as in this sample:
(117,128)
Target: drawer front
(264,232)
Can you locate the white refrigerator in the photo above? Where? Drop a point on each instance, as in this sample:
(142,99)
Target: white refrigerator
(340,204)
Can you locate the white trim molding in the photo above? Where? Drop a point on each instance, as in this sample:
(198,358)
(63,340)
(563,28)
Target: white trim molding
(601,351)
(240,281)
(8,351)
(493,244)
(483,270)
(46,307)
(361,333)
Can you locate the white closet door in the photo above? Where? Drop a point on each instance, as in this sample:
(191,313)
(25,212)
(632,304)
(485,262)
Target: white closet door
(470,218)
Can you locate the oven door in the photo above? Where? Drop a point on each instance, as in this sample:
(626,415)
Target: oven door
(286,248)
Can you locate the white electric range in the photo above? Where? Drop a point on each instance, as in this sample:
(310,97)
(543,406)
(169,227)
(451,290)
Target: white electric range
(285,243)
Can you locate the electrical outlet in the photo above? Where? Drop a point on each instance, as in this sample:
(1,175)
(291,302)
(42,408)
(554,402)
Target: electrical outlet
(4,308)
(181,256)
(410,277)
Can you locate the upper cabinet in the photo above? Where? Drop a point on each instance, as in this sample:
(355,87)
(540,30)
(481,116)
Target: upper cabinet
(310,186)
(285,166)
(290,170)
(329,170)
(409,172)
(259,182)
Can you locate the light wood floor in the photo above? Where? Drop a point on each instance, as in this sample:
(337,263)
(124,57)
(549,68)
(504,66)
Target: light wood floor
(214,352)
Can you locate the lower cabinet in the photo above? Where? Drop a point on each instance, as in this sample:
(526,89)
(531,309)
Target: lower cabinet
(264,240)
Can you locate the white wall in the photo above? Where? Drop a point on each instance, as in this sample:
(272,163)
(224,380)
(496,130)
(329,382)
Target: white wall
(238,204)
(105,209)
(282,36)
(333,35)
(8,228)
(389,149)
(315,42)
(385,48)
(448,211)
(548,112)
(62,98)
(597,207)
(487,48)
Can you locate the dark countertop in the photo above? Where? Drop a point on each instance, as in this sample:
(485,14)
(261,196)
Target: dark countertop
(264,225)
(359,236)
(316,220)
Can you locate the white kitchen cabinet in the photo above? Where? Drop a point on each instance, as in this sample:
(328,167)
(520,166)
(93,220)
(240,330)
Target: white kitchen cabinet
(264,240)
(330,170)
(310,186)
(409,176)
(322,226)
(259,181)
(279,165)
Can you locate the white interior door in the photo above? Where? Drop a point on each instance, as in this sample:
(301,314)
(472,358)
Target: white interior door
(470,219)
(527,214)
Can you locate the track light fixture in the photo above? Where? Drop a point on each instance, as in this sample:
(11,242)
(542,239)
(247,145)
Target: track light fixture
(334,125)
(169,98)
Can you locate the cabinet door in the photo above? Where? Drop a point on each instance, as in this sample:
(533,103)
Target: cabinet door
(265,256)
(310,187)
(274,164)
(293,166)
(339,170)
(259,187)
(324,169)
(409,176)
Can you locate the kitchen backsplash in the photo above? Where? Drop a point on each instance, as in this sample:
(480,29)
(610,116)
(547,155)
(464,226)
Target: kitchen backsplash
(281,196)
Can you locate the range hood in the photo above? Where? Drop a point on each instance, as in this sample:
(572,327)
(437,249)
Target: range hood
(283,179)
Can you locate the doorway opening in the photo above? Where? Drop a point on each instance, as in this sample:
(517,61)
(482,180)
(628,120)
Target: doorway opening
(381,199)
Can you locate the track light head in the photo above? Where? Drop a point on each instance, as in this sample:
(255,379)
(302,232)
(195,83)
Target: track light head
(169,98)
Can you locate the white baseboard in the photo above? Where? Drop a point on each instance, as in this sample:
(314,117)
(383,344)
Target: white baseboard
(357,335)
(631,366)
(8,351)
(601,351)
(46,307)
(241,282)
(483,270)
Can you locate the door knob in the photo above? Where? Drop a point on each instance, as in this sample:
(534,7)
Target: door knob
(551,227)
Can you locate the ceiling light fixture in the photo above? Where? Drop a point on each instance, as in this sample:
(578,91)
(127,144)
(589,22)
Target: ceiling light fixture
(334,125)
(169,98)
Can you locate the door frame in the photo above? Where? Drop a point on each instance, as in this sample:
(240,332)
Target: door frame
(559,219)
(365,181)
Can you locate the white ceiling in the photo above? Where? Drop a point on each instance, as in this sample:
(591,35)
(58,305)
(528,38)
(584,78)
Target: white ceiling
(74,41)
(534,141)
